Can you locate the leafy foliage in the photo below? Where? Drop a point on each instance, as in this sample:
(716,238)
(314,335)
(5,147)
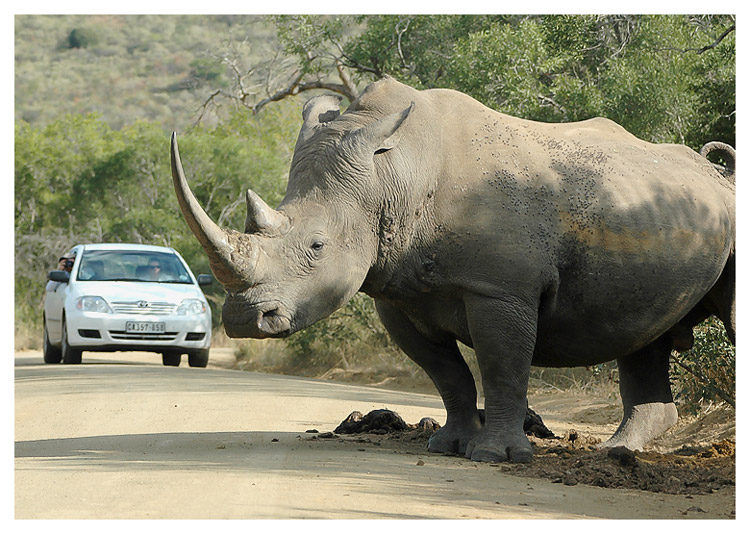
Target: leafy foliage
(82,38)
(342,339)
(707,372)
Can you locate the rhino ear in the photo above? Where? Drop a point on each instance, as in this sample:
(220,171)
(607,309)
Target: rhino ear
(384,134)
(317,112)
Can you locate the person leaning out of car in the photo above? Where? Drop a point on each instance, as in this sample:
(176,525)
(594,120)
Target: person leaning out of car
(64,263)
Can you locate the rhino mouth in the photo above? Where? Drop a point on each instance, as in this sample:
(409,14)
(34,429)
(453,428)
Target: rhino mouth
(262,320)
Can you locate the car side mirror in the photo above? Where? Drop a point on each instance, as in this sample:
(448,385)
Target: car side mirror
(59,276)
(205,280)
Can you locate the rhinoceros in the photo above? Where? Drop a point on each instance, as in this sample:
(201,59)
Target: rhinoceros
(553,245)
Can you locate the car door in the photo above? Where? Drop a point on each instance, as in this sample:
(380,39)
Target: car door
(54,300)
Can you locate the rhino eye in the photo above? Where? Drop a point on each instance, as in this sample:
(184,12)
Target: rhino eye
(317,246)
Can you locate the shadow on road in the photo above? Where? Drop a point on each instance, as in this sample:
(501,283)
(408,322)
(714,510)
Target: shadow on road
(168,450)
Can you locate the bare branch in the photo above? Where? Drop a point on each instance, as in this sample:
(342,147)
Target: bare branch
(545,100)
(320,84)
(350,63)
(703,49)
(351,89)
(401,32)
(290,90)
(227,211)
(624,38)
(346,88)
(704,381)
(210,100)
(239,77)
(716,42)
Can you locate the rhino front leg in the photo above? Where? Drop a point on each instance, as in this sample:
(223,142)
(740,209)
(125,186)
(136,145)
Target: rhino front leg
(503,331)
(648,407)
(439,356)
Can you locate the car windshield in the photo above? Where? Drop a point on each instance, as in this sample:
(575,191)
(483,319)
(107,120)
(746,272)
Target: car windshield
(132,266)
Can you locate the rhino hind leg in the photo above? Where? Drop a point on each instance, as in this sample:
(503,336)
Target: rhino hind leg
(648,406)
(442,361)
(720,301)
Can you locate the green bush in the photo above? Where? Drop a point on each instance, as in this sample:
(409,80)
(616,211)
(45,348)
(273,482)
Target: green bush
(707,372)
(352,343)
(82,38)
(352,337)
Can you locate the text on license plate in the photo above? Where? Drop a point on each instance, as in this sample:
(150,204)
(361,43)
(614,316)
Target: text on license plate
(144,327)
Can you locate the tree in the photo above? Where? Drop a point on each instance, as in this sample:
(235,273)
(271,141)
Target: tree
(307,57)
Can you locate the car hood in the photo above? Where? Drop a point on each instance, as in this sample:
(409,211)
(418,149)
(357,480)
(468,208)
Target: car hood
(134,291)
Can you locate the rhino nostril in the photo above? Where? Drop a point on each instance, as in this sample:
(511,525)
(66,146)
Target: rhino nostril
(273,322)
(270,315)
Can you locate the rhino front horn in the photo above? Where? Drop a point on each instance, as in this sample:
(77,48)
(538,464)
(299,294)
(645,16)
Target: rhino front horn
(217,243)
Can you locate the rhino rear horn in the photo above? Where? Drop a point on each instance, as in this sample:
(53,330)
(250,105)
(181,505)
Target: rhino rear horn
(261,218)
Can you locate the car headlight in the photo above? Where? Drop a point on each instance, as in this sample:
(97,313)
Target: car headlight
(191,307)
(93,304)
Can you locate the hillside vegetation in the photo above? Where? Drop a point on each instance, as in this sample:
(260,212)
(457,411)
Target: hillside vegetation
(127,68)
(97,96)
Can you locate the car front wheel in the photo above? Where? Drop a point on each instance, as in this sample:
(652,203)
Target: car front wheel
(171,359)
(69,354)
(52,354)
(198,358)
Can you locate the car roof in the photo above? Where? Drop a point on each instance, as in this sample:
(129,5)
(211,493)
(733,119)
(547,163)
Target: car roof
(127,246)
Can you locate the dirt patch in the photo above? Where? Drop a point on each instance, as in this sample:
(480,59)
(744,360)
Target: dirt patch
(690,471)
(715,424)
(574,458)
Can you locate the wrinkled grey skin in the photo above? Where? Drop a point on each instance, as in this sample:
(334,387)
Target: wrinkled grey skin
(535,244)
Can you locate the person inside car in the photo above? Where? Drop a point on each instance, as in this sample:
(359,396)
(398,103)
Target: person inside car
(154,269)
(92,270)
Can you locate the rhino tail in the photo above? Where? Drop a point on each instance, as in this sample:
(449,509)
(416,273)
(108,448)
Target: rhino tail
(729,170)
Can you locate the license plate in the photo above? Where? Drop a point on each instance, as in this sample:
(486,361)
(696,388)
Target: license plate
(141,327)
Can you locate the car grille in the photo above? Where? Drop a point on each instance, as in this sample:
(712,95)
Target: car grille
(122,335)
(144,307)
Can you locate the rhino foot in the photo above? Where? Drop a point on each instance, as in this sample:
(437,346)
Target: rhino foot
(454,438)
(511,448)
(643,423)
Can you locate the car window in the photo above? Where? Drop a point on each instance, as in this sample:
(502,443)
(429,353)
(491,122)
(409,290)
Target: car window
(132,266)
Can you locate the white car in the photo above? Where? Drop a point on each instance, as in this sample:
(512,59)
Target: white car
(122,297)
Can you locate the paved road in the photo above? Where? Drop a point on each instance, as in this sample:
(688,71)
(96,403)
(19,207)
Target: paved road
(124,437)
